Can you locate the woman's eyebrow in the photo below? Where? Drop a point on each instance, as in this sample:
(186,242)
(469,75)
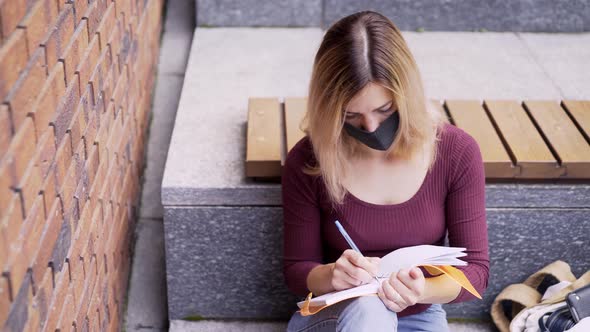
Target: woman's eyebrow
(380,107)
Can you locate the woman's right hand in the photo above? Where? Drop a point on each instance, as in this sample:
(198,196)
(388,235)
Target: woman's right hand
(353,269)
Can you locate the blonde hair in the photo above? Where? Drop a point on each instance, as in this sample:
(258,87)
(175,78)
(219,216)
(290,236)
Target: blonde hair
(361,48)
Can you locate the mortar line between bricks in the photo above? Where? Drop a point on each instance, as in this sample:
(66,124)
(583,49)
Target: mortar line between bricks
(536,60)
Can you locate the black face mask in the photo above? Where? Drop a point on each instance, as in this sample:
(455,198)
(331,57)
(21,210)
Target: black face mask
(380,139)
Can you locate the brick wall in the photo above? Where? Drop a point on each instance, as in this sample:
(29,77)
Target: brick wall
(75,85)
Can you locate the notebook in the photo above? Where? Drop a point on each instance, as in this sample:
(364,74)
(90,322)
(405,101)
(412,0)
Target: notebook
(435,259)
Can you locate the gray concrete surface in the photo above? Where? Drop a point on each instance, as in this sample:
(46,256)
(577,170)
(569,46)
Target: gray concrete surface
(215,81)
(245,326)
(205,192)
(277,62)
(432,15)
(147,307)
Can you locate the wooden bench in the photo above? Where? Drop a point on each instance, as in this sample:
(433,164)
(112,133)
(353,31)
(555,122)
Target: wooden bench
(543,140)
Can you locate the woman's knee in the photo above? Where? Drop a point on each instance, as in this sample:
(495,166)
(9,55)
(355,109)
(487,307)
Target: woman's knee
(367,313)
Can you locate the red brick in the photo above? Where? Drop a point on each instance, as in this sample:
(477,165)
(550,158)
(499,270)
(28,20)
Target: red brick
(45,153)
(102,136)
(48,190)
(98,178)
(82,304)
(97,79)
(16,321)
(125,8)
(73,53)
(80,239)
(119,92)
(29,188)
(40,259)
(65,111)
(113,312)
(105,27)
(38,19)
(125,44)
(100,246)
(80,8)
(33,230)
(115,41)
(4,299)
(78,280)
(66,192)
(89,236)
(21,249)
(92,164)
(90,130)
(25,91)
(13,59)
(11,12)
(21,150)
(93,311)
(109,83)
(57,40)
(89,61)
(89,102)
(79,121)
(4,246)
(49,98)
(10,226)
(39,305)
(94,14)
(63,158)
(81,195)
(5,130)
(67,312)
(105,192)
(60,292)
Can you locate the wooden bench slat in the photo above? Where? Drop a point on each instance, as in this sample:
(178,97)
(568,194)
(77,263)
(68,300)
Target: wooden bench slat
(564,137)
(531,154)
(580,111)
(295,109)
(470,116)
(263,148)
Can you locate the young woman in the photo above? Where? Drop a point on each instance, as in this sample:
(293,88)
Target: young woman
(378,159)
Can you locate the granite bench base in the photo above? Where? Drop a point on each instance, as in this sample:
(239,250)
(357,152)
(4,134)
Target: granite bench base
(225,261)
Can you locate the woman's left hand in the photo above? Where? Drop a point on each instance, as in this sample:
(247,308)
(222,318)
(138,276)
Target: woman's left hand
(403,289)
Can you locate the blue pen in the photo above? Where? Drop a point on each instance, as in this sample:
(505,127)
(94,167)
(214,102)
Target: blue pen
(349,240)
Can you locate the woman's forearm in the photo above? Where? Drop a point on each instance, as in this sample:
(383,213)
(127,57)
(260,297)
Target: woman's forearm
(440,289)
(319,279)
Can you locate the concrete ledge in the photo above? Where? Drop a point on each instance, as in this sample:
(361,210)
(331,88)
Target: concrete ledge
(259,13)
(497,195)
(247,326)
(205,163)
(225,262)
(224,231)
(432,15)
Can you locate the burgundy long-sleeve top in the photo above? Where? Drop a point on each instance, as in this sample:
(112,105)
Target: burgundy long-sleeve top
(451,198)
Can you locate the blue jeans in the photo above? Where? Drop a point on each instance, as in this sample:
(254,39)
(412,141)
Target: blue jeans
(368,313)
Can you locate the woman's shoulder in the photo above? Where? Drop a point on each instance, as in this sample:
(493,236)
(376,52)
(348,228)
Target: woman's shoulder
(454,140)
(301,154)
(300,159)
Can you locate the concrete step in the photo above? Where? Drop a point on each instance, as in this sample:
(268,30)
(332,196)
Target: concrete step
(248,326)
(224,231)
(431,15)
